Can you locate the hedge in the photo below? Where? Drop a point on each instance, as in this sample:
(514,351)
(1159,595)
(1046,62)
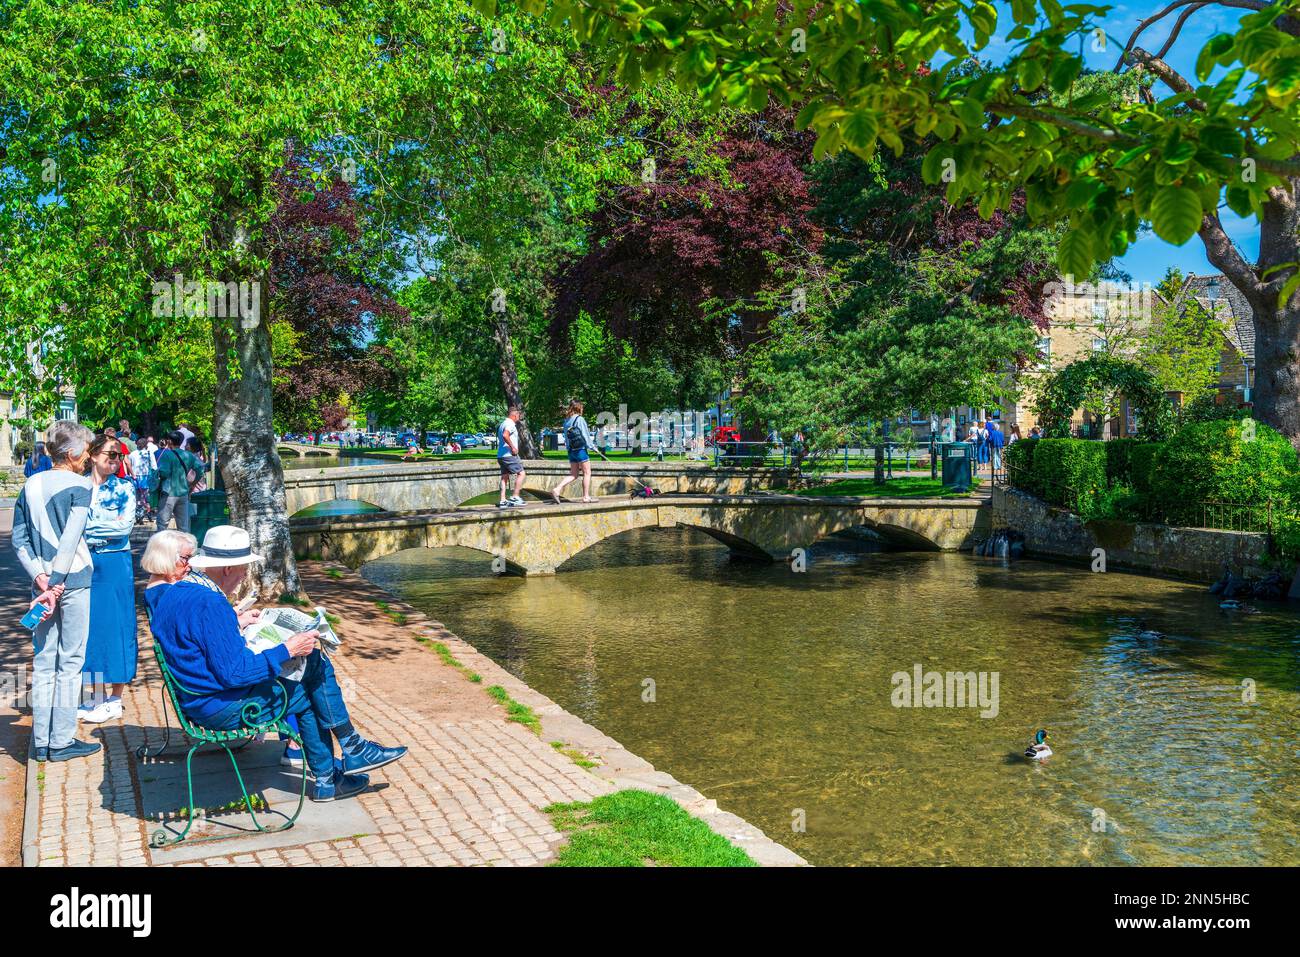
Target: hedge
(1141,462)
(1221,462)
(1218,461)
(1020,464)
(1076,463)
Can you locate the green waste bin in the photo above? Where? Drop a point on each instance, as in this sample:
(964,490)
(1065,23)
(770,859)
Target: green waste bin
(957,465)
(209,510)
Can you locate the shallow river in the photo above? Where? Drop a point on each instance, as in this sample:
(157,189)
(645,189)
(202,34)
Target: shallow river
(774,693)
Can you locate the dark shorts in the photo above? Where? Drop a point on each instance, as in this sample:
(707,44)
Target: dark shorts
(510,464)
(579,455)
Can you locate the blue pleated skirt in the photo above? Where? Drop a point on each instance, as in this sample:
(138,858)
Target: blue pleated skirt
(111,650)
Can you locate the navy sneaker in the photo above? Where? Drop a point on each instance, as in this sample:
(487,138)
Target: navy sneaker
(340,786)
(42,754)
(369,756)
(77,749)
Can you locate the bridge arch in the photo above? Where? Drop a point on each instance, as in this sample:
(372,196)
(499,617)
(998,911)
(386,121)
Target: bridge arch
(539,540)
(338,506)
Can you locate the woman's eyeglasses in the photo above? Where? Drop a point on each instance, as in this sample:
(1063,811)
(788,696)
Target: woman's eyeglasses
(113,455)
(185,558)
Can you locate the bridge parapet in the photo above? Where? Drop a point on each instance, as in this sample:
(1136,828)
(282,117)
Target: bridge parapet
(430,486)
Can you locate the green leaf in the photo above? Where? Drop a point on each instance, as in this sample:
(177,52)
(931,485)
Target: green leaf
(860,130)
(1030,74)
(1239,200)
(1288,290)
(1074,255)
(1064,72)
(932,165)
(1176,214)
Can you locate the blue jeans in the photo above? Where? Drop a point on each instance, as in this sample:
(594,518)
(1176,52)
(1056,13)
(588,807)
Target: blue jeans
(316,701)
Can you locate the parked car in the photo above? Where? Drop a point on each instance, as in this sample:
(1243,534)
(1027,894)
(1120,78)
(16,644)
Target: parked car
(726,438)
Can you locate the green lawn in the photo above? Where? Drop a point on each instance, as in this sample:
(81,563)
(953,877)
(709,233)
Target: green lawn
(894,488)
(639,829)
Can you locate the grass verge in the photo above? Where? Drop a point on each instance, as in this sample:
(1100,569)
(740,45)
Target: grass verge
(448,658)
(574,755)
(637,829)
(397,617)
(519,713)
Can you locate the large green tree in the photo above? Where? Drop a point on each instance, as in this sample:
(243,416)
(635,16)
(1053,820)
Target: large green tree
(909,303)
(140,145)
(882,73)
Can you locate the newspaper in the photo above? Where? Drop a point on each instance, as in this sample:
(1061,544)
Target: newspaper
(278,625)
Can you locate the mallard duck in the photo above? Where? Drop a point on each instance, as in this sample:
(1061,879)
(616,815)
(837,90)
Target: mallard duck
(1233,605)
(1039,749)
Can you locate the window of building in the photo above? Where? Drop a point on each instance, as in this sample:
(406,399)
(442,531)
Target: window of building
(1045,352)
(1098,344)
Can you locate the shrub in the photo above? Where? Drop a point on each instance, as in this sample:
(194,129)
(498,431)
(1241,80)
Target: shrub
(1119,459)
(1286,536)
(1076,463)
(1020,461)
(1117,502)
(1216,462)
(1141,464)
(1207,408)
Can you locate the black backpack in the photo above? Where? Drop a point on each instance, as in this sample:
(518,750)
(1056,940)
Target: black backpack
(573,437)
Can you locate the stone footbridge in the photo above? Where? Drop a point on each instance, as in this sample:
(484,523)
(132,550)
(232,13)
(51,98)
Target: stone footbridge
(430,486)
(538,538)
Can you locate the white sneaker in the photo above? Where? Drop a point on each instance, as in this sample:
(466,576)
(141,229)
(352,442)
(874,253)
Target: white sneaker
(515,501)
(107,711)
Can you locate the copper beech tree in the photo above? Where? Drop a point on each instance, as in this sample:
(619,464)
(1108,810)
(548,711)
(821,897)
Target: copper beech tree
(878,74)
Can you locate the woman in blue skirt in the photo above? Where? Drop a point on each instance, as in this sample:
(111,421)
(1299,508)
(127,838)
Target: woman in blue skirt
(111,650)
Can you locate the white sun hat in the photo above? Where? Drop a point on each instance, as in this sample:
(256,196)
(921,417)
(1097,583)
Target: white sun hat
(225,545)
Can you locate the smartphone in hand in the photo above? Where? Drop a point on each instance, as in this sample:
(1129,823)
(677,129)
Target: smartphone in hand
(35,615)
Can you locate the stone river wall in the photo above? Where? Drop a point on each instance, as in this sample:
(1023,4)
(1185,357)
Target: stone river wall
(1195,553)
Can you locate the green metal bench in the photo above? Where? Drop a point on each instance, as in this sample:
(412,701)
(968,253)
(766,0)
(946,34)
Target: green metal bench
(247,731)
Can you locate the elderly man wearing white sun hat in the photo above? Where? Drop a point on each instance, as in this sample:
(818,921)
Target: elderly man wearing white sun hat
(200,634)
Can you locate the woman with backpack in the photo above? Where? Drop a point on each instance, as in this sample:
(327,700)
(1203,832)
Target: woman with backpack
(577,440)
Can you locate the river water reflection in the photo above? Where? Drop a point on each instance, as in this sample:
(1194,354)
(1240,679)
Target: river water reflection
(773,696)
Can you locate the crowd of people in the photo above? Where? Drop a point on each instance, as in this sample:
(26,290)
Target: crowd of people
(168,473)
(989,441)
(72,530)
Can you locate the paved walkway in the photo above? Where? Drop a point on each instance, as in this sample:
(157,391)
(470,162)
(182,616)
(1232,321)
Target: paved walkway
(471,791)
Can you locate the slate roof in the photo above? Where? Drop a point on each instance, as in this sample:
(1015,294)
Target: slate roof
(1228,304)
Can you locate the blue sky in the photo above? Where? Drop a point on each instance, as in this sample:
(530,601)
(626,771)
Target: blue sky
(1147,260)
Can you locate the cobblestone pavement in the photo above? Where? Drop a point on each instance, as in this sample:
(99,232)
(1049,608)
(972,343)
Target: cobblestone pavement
(470,792)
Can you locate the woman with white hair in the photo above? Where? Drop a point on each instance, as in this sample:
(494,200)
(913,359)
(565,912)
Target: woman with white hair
(229,686)
(49,524)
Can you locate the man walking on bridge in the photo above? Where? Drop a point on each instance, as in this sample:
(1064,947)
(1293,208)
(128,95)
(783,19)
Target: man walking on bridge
(508,458)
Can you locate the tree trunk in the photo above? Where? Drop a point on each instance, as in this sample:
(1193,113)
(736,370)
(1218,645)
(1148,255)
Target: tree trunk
(1276,386)
(1275,390)
(510,382)
(249,463)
